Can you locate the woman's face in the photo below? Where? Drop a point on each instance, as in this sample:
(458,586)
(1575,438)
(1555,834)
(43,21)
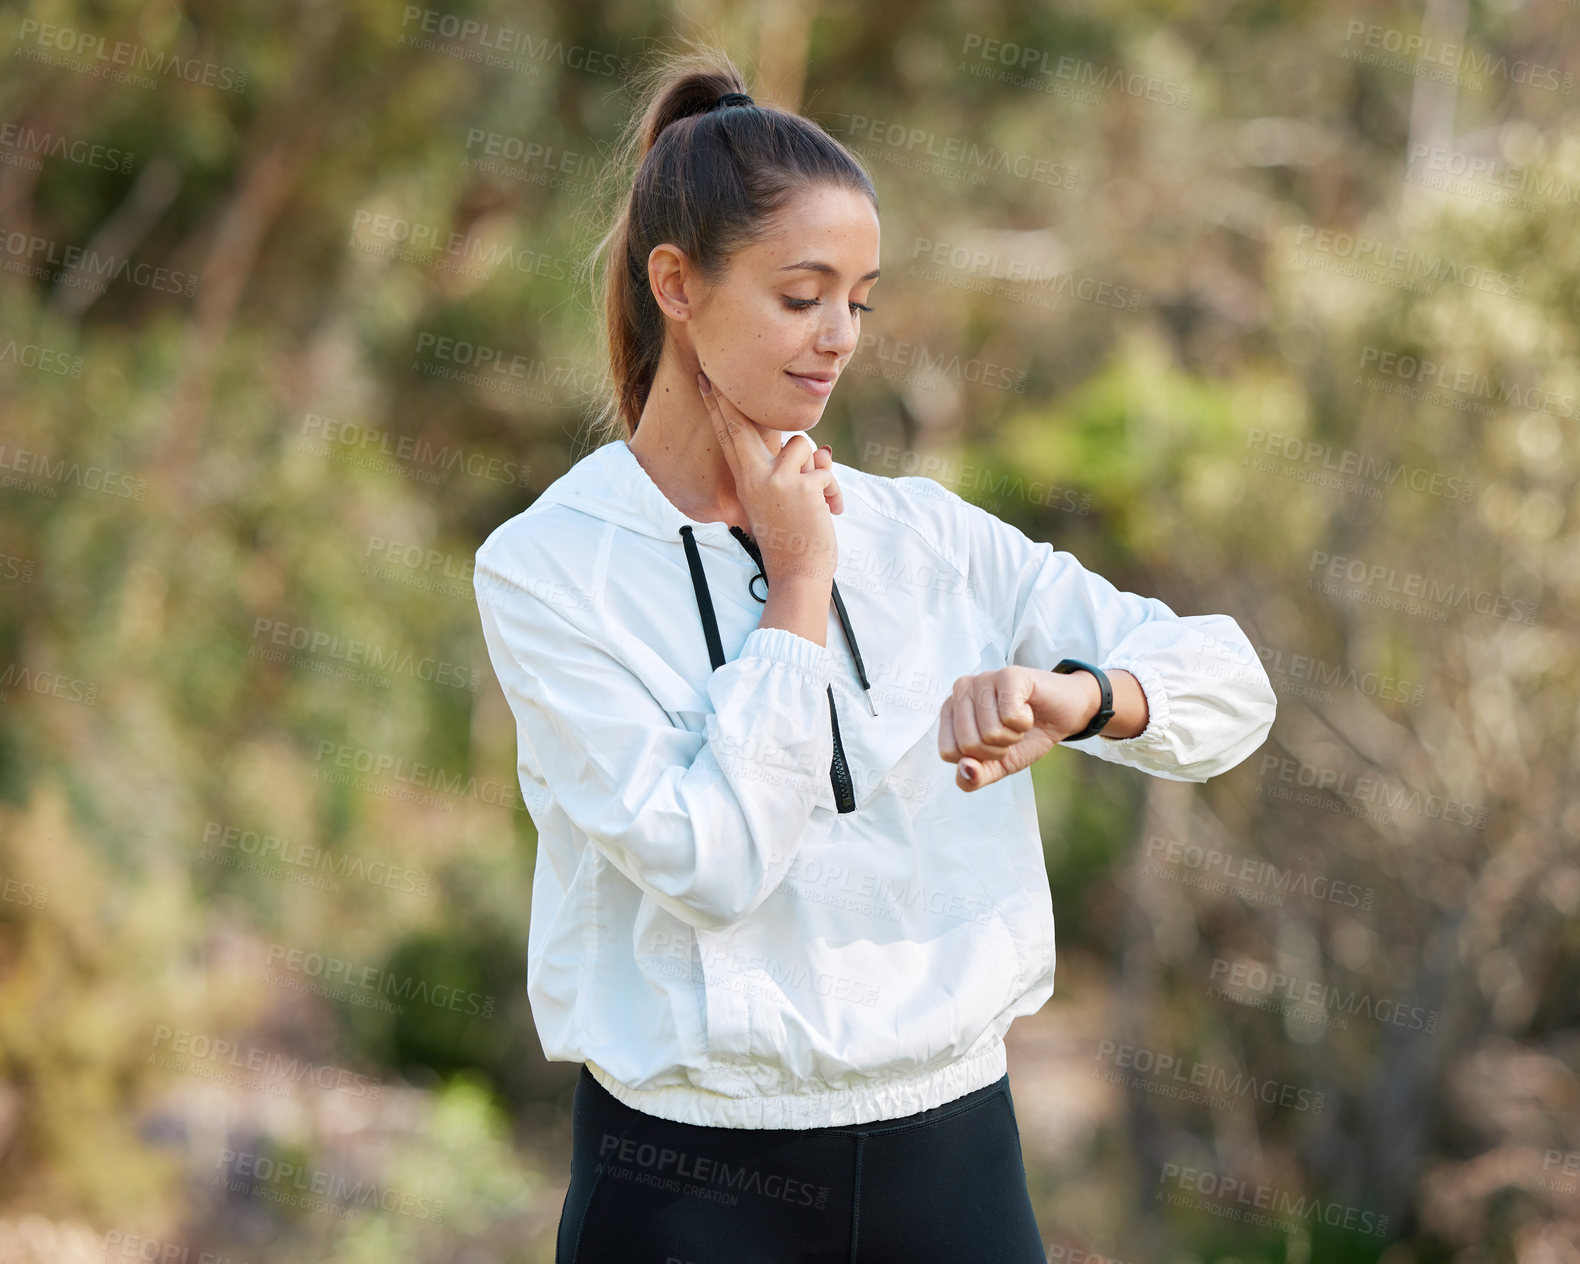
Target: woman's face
(776,331)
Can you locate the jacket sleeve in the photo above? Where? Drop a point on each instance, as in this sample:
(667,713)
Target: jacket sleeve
(1209,701)
(705,824)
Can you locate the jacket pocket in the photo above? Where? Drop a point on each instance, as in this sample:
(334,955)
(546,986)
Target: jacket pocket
(810,991)
(728,978)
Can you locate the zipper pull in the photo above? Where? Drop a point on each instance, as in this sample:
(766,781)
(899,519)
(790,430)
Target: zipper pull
(750,545)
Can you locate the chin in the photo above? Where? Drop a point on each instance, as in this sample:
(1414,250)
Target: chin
(799,413)
(794,420)
(794,427)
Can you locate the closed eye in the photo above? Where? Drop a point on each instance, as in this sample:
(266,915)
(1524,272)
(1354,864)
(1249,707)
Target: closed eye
(803,304)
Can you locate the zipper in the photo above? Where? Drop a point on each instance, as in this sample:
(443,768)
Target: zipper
(839,771)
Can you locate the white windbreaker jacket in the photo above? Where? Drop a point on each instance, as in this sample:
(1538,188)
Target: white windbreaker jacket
(739,919)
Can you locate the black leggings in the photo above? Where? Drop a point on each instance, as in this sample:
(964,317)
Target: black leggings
(943,1186)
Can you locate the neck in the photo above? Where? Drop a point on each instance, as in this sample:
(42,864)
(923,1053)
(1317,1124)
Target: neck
(676,444)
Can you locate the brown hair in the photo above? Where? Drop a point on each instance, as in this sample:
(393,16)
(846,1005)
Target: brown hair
(706,179)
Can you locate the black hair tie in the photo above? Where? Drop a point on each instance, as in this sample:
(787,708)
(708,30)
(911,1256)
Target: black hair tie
(733,98)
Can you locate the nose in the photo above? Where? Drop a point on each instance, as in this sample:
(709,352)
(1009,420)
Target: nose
(837,334)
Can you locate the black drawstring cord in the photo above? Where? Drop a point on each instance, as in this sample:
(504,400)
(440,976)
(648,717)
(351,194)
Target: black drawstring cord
(855,651)
(699,581)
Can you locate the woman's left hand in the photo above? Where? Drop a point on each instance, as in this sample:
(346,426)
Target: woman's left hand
(999,722)
(823,459)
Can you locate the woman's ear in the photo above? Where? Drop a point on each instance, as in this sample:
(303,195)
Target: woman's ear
(669,274)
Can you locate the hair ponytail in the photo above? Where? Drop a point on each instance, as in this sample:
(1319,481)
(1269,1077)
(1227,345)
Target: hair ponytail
(705,179)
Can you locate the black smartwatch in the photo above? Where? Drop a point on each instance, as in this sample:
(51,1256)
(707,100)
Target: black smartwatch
(1105,709)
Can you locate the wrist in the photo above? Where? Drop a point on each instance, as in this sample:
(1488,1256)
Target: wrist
(1087,681)
(1097,696)
(1094,695)
(801,578)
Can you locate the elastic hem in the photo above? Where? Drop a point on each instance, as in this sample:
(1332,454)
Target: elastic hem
(948,1110)
(1151,682)
(791,649)
(893,1098)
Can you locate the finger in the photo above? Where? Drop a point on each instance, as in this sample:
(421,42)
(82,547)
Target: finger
(968,739)
(976,773)
(1002,714)
(947,750)
(723,429)
(739,436)
(1015,704)
(797,454)
(823,459)
(968,772)
(994,734)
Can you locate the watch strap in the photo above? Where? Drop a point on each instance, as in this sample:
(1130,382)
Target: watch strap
(1105,709)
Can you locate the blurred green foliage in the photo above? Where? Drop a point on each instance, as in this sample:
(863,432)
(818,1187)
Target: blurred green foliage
(289,441)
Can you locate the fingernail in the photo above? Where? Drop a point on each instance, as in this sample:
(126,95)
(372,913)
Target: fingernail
(969,772)
(703,384)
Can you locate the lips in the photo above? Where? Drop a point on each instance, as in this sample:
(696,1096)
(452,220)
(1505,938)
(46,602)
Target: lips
(819,384)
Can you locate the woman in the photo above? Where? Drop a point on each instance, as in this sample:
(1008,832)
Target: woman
(789,893)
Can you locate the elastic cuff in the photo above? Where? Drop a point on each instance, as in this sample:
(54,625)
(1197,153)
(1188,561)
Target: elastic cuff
(780,645)
(1151,682)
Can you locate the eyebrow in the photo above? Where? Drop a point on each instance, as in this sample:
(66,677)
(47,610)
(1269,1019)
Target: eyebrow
(816,265)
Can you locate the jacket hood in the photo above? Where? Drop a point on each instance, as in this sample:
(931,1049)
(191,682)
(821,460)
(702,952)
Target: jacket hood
(609,483)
